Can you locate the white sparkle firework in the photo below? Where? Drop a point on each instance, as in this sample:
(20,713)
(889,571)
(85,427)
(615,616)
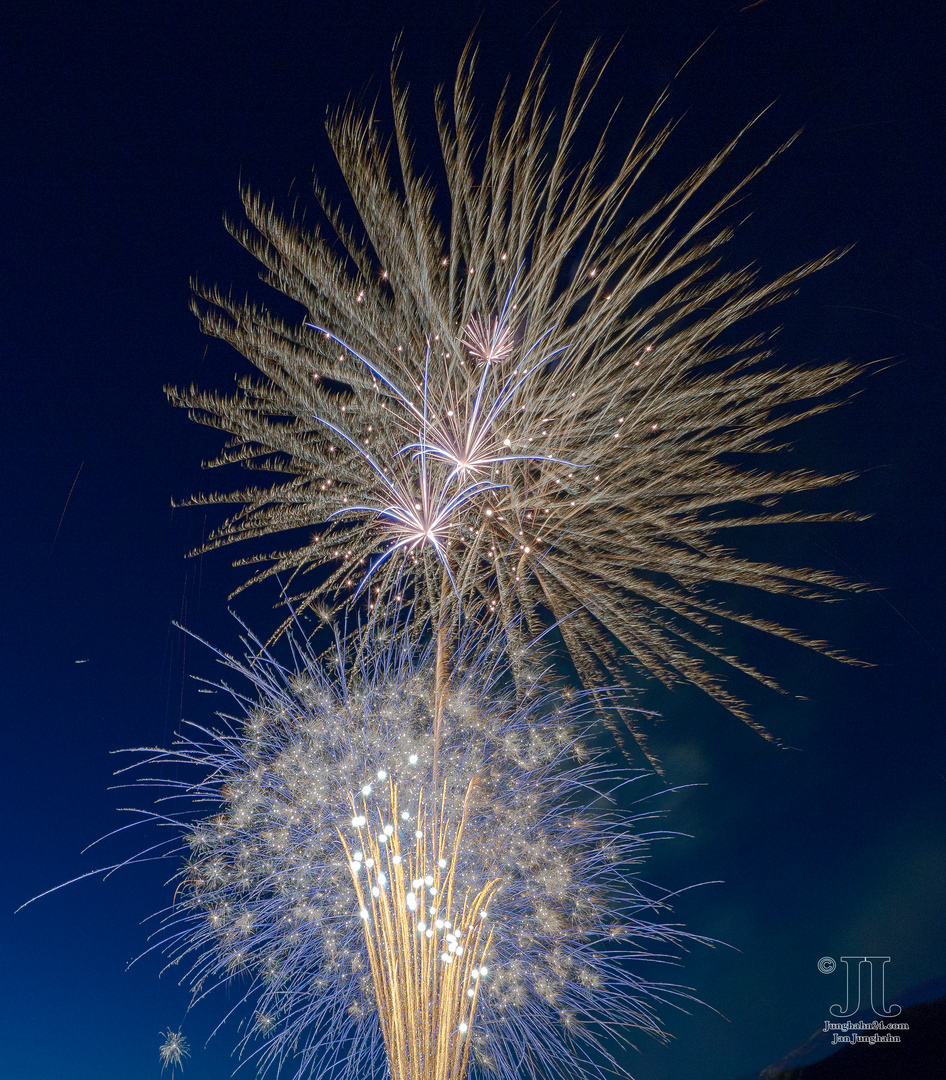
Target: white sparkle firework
(173,1050)
(461,901)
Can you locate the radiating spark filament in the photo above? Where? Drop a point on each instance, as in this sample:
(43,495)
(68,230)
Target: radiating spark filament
(425,941)
(488,339)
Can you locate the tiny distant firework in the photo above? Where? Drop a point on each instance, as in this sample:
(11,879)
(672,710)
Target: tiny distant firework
(173,1050)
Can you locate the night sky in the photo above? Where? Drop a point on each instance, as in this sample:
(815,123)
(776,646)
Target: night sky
(126,130)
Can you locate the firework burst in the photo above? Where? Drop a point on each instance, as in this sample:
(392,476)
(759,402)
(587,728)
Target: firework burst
(173,1050)
(367,889)
(542,410)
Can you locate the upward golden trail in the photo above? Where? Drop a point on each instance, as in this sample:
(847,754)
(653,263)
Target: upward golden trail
(425,934)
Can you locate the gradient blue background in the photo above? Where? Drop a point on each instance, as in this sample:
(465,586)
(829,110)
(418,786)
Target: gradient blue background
(125,129)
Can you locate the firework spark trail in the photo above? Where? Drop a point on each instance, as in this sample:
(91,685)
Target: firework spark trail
(426,958)
(548,399)
(356,900)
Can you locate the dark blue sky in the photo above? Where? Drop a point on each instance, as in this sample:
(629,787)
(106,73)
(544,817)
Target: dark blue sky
(126,127)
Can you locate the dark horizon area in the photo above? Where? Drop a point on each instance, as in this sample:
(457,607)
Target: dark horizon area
(127,130)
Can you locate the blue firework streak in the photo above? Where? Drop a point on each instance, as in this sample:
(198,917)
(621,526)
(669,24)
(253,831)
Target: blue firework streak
(339,821)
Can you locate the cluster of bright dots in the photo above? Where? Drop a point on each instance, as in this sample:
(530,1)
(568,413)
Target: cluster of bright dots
(423,897)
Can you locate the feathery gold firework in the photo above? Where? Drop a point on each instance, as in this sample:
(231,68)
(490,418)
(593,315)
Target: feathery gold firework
(535,414)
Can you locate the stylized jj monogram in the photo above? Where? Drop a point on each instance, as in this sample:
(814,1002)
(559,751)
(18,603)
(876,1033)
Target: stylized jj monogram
(852,1006)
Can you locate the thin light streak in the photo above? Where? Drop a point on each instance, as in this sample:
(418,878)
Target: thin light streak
(62,516)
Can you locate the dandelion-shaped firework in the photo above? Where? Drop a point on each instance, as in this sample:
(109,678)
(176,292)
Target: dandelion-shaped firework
(540,413)
(369,891)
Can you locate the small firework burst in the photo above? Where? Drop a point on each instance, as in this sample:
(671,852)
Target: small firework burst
(173,1050)
(447,884)
(545,415)
(489,340)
